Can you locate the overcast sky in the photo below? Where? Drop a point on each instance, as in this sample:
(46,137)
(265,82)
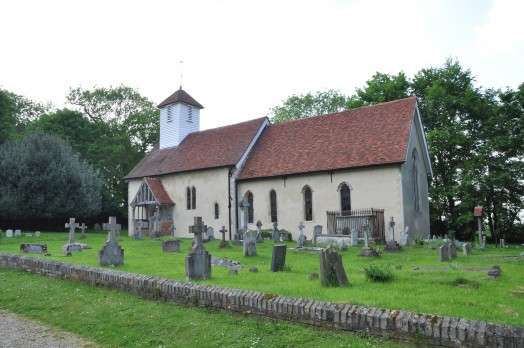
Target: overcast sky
(240,58)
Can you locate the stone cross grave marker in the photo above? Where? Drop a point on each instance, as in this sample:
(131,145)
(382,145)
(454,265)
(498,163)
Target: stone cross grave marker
(332,271)
(9,233)
(444,253)
(278,259)
(223,243)
(260,238)
(244,207)
(71,246)
(111,253)
(83,228)
(250,243)
(301,240)
(276,235)
(366,237)
(392,245)
(172,230)
(198,262)
(367,250)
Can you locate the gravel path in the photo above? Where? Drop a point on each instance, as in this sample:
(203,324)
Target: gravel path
(18,332)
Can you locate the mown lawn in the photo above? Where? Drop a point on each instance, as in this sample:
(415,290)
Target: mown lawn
(450,292)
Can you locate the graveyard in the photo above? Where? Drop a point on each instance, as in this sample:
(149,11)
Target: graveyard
(421,282)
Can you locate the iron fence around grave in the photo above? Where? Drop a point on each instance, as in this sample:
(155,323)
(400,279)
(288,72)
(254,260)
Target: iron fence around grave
(343,222)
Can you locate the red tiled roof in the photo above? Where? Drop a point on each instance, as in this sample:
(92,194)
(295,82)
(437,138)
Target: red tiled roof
(180,96)
(213,148)
(368,136)
(158,191)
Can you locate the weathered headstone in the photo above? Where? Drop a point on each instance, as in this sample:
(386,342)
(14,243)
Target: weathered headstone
(223,243)
(301,240)
(83,228)
(155,231)
(444,253)
(210,234)
(33,248)
(275,235)
(452,250)
(354,237)
(466,248)
(28,234)
(68,248)
(250,243)
(111,253)
(198,262)
(341,244)
(37,234)
(138,230)
(392,246)
(278,259)
(18,233)
(317,231)
(260,238)
(484,241)
(9,233)
(332,271)
(367,251)
(171,246)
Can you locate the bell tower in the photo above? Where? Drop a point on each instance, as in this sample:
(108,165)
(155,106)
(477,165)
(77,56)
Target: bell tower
(179,116)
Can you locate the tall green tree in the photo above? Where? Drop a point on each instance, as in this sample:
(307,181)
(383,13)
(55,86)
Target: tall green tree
(7,117)
(383,88)
(42,178)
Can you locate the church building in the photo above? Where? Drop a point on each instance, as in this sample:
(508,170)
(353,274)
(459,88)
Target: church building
(355,169)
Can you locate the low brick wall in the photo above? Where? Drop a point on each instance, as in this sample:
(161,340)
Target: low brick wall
(425,329)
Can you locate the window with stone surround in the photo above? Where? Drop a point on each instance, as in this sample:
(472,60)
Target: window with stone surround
(308,203)
(273,205)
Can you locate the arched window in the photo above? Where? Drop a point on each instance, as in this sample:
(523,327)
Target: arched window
(216,210)
(273,205)
(188,198)
(308,203)
(345,197)
(193,197)
(250,217)
(414,173)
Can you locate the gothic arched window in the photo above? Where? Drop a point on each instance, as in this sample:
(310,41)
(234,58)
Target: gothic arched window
(193,197)
(188,198)
(345,197)
(250,215)
(308,203)
(273,205)
(216,211)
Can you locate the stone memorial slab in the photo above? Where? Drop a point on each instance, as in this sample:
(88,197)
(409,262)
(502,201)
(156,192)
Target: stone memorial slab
(452,250)
(466,249)
(111,253)
(137,235)
(278,259)
(70,248)
(354,237)
(9,233)
(332,271)
(198,262)
(342,244)
(444,253)
(171,246)
(33,248)
(18,233)
(250,243)
(210,234)
(317,231)
(275,236)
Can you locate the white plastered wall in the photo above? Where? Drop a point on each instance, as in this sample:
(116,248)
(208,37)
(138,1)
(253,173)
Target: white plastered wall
(378,187)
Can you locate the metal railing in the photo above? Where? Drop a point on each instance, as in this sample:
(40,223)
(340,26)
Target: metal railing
(343,222)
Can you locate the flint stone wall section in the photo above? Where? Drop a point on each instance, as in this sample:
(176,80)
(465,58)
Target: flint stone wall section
(433,330)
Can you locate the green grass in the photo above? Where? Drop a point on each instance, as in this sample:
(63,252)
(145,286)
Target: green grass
(432,292)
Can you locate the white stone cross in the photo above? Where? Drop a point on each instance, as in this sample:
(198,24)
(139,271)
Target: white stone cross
(72,226)
(111,227)
(244,206)
(83,228)
(366,237)
(301,227)
(391,229)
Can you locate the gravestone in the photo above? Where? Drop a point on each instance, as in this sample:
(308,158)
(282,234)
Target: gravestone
(71,246)
(466,249)
(244,207)
(223,243)
(83,228)
(354,237)
(278,259)
(33,248)
(138,230)
(301,240)
(452,250)
(275,235)
(18,233)
(172,230)
(210,234)
(198,262)
(155,231)
(332,271)
(405,236)
(250,243)
(37,234)
(28,235)
(341,244)
(111,253)
(260,238)
(444,253)
(392,246)
(317,231)
(484,241)
(367,251)
(171,246)
(9,233)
